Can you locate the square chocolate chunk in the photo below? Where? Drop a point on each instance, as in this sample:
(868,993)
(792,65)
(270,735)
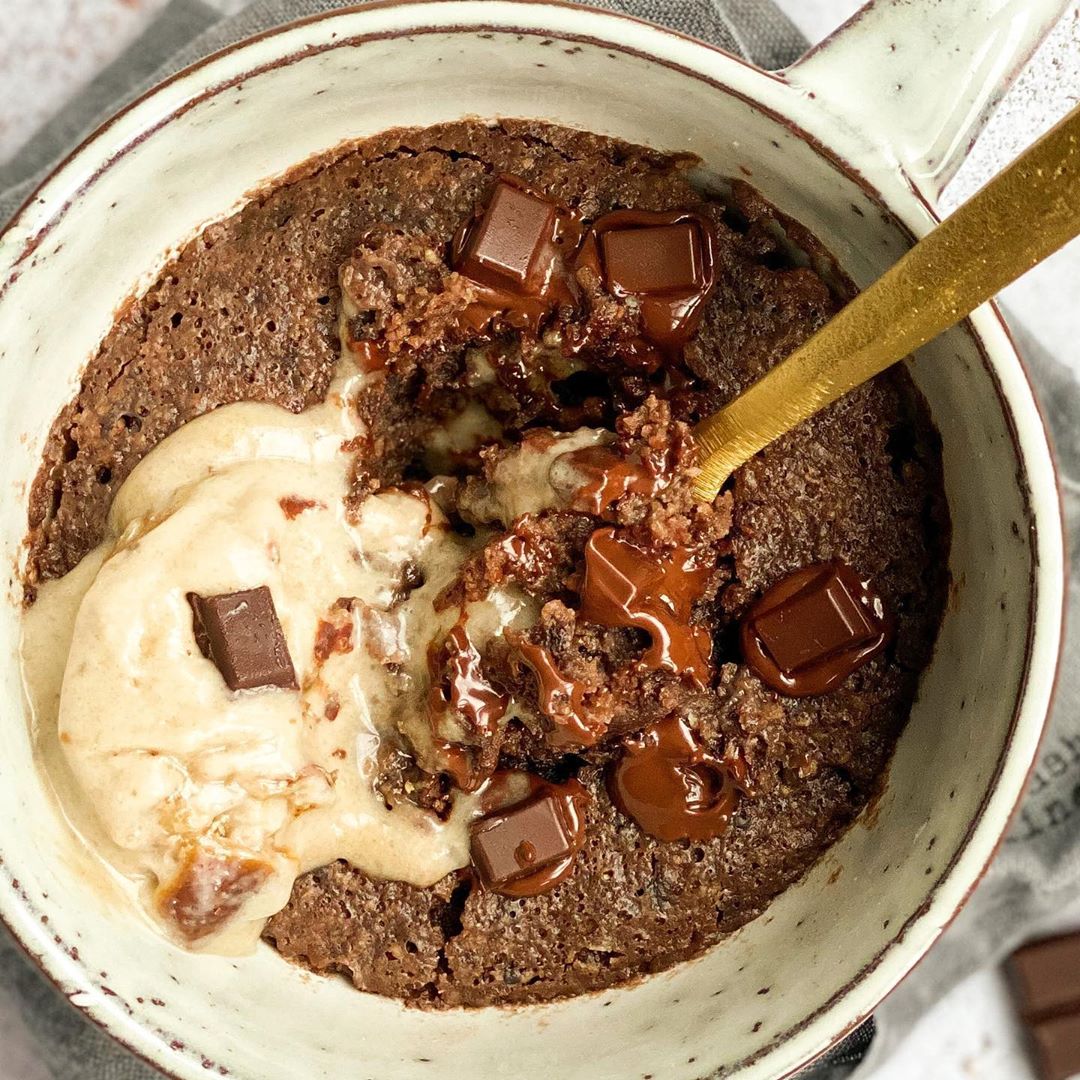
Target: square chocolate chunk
(241,634)
(519,841)
(1055,1041)
(815,624)
(654,260)
(1045,977)
(506,242)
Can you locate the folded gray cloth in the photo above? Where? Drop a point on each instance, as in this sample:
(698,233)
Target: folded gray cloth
(1040,863)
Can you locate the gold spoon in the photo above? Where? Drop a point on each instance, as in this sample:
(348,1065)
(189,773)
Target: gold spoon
(1023,215)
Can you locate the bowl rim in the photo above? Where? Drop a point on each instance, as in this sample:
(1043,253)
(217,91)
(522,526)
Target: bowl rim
(984,327)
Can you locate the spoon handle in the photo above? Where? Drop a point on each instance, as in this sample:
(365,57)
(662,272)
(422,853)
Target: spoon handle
(1019,218)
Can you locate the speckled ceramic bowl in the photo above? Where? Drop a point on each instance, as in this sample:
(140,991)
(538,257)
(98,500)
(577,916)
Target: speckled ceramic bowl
(854,141)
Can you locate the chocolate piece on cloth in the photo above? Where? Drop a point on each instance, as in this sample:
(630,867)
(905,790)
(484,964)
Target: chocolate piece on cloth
(528,848)
(241,634)
(1055,1045)
(813,628)
(1045,978)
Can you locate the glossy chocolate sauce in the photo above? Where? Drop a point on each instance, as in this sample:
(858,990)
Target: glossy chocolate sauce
(460,691)
(653,591)
(609,476)
(672,787)
(560,699)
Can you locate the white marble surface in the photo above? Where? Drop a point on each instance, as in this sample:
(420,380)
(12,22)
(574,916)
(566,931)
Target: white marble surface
(49,48)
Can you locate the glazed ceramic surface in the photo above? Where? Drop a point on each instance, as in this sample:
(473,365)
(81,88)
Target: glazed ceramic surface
(855,142)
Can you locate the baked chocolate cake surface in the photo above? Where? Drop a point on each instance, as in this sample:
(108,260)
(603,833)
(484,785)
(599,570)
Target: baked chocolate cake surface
(374,240)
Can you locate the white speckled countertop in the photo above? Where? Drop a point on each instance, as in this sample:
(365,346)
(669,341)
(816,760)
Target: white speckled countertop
(49,48)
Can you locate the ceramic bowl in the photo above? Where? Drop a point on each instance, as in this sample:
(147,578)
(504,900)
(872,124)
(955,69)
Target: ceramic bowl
(854,141)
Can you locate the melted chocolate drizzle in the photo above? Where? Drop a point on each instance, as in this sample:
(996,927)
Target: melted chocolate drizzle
(609,476)
(460,690)
(627,586)
(560,699)
(370,355)
(672,787)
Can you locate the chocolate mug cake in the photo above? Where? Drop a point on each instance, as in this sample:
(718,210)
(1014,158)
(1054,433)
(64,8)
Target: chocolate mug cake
(394,633)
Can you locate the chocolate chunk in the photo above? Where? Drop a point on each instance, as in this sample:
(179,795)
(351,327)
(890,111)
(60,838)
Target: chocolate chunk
(654,591)
(813,628)
(515,251)
(528,848)
(503,247)
(655,259)
(1055,1044)
(666,261)
(814,624)
(1045,975)
(672,787)
(241,634)
(511,845)
(1045,978)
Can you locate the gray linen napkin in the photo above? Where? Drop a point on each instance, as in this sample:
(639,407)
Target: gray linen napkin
(1040,862)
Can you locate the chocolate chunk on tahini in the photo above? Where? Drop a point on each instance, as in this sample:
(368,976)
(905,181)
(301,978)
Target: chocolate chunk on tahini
(813,628)
(241,634)
(528,848)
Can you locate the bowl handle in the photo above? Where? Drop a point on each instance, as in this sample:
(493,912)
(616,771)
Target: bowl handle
(921,77)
